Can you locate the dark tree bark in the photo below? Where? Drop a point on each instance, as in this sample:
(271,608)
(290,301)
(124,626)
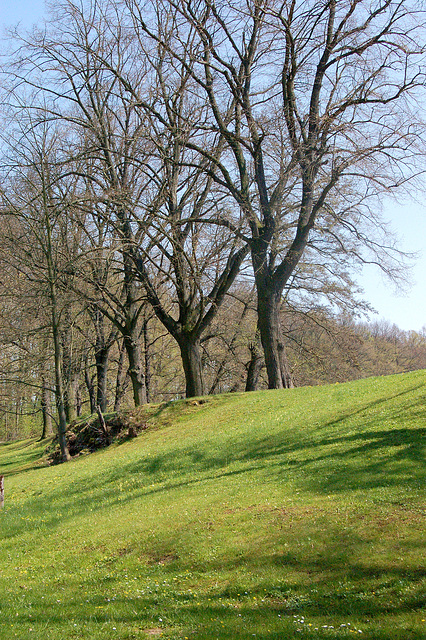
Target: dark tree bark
(79,402)
(103,347)
(255,365)
(59,387)
(269,324)
(121,379)
(70,370)
(136,372)
(90,386)
(130,331)
(102,360)
(287,378)
(147,358)
(192,365)
(46,409)
(268,307)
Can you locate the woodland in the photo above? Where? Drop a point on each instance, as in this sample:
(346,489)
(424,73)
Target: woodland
(188,190)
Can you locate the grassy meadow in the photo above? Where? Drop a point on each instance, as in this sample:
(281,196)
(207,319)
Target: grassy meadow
(270,515)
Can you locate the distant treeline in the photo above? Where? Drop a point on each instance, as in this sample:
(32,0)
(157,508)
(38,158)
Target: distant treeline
(321,349)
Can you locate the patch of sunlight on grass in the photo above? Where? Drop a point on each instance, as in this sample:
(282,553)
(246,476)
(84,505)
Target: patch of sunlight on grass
(281,514)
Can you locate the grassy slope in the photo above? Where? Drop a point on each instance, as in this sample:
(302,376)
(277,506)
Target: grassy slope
(280,514)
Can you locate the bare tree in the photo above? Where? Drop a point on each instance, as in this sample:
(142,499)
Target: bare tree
(207,130)
(140,174)
(32,217)
(321,95)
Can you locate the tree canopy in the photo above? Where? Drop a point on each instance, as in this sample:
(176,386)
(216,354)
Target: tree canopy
(199,172)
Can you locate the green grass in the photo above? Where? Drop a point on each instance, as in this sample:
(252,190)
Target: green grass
(272,515)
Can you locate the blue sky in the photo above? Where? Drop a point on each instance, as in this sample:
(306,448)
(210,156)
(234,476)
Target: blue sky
(406,309)
(27,12)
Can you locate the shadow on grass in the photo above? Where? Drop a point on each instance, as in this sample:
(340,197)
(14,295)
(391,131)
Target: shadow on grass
(366,459)
(288,583)
(22,456)
(269,608)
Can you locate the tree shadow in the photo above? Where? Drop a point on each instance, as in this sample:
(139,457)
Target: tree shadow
(22,458)
(283,454)
(317,589)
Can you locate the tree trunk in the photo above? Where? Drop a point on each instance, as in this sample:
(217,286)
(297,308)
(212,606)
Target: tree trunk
(130,330)
(70,401)
(90,389)
(70,372)
(46,410)
(268,309)
(79,402)
(102,358)
(191,360)
(255,364)
(147,358)
(58,360)
(136,373)
(59,388)
(103,347)
(121,380)
(285,368)
(17,414)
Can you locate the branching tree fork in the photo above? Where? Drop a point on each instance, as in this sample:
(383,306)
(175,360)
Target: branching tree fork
(204,141)
(320,98)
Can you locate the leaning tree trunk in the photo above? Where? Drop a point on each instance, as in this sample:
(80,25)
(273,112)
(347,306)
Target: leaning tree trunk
(192,366)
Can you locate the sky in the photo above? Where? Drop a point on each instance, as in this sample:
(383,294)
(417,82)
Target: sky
(27,12)
(406,309)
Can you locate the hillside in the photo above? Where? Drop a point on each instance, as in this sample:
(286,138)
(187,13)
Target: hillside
(275,515)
